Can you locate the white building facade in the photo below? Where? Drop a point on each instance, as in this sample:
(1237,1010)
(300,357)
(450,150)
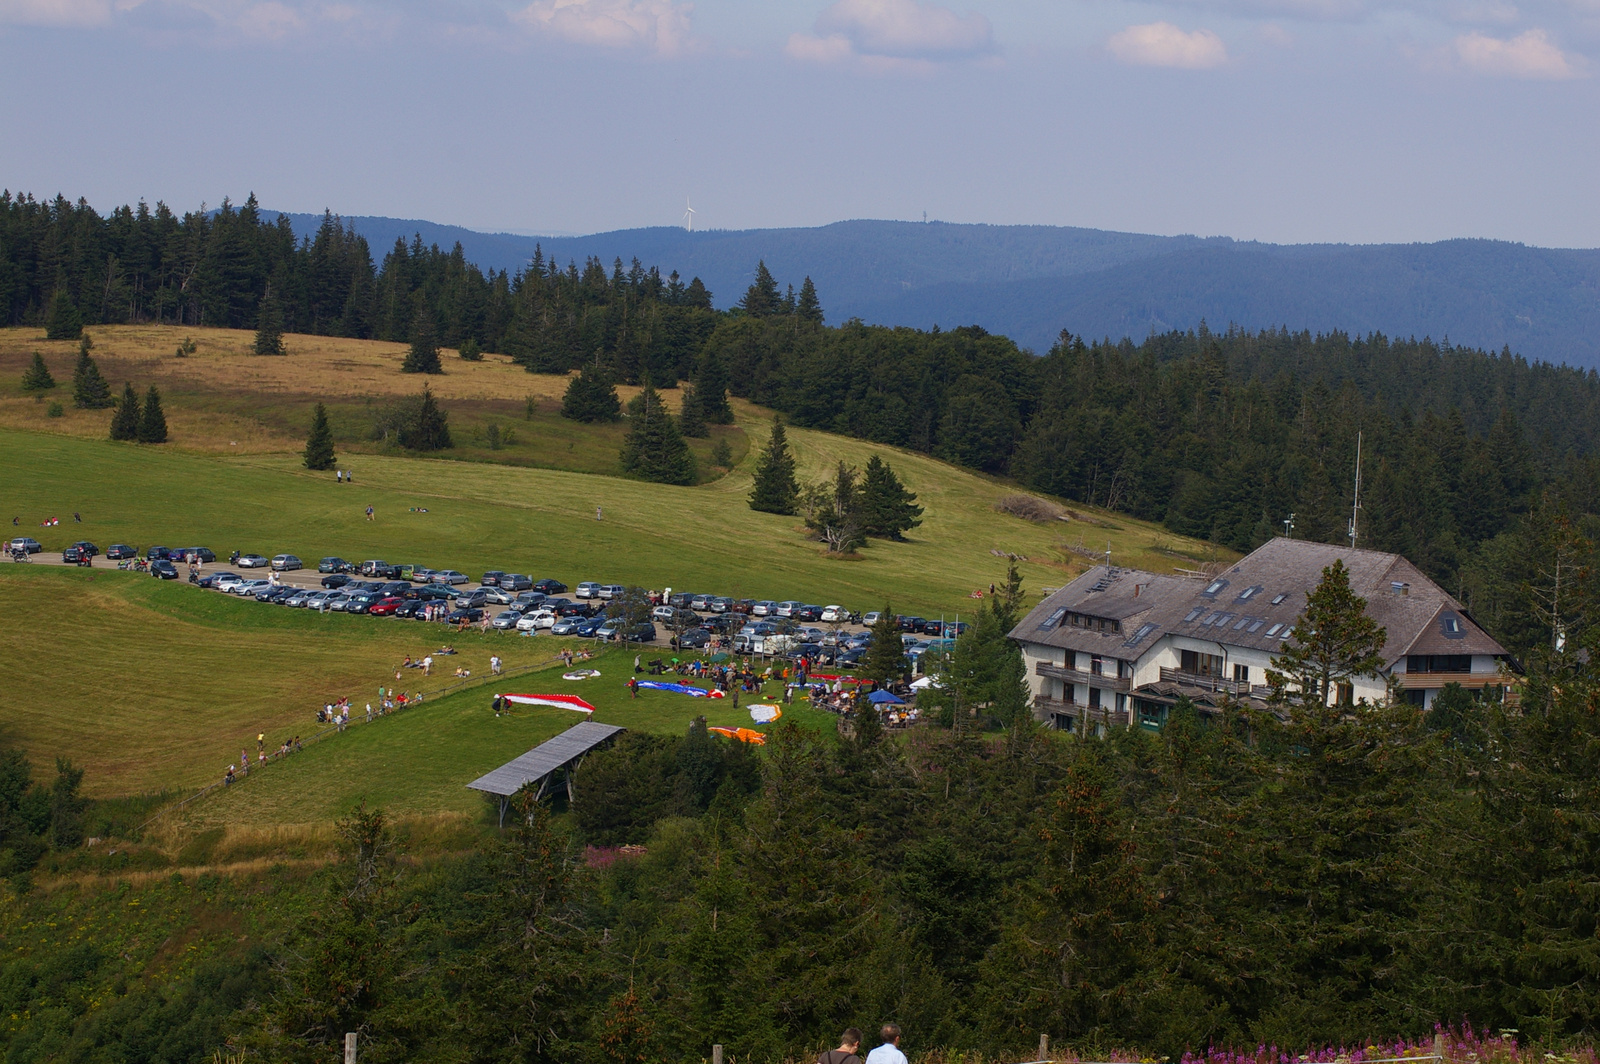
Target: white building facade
(1118,647)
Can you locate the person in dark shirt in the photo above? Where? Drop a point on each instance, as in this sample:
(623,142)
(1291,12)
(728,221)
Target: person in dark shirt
(848,1051)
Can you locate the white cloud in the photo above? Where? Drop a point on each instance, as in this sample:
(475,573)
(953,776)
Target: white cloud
(272,21)
(1527,55)
(892,35)
(74,13)
(1165,45)
(661,26)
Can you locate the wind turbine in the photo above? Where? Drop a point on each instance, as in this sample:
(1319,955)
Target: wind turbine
(688,215)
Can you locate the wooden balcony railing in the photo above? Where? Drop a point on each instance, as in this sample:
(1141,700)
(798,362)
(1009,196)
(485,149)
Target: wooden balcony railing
(1096,714)
(1062,672)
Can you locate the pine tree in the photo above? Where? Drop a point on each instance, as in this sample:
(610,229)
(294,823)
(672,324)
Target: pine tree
(470,351)
(722,454)
(654,449)
(269,326)
(62,321)
(89,389)
(710,385)
(691,418)
(430,430)
(761,300)
(37,378)
(887,508)
(809,309)
(1333,642)
(423,354)
(591,397)
(125,422)
(885,658)
(152,422)
(775,489)
(838,521)
(319,444)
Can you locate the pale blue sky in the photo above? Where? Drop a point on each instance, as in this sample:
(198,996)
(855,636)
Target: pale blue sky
(1283,120)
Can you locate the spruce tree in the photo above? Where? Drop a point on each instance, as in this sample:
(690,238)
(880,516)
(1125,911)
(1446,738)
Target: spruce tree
(885,658)
(838,521)
(722,454)
(710,384)
(691,418)
(591,397)
(654,449)
(1333,642)
(775,489)
(319,444)
(89,389)
(269,326)
(470,351)
(152,422)
(887,509)
(423,355)
(809,309)
(430,430)
(125,422)
(62,321)
(761,299)
(37,378)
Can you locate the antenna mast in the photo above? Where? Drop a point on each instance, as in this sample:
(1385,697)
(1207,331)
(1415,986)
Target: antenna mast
(1355,510)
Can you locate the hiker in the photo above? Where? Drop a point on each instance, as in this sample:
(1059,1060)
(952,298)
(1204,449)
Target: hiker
(427,665)
(597,513)
(633,687)
(847,1053)
(889,1051)
(338,476)
(228,777)
(494,664)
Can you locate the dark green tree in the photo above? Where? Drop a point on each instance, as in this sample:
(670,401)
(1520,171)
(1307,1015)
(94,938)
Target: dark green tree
(429,430)
(722,454)
(1333,642)
(654,449)
(761,299)
(808,309)
(125,420)
(319,443)
(887,509)
(89,389)
(885,658)
(269,325)
(67,806)
(62,320)
(423,354)
(837,522)
(691,418)
(592,396)
(775,489)
(710,387)
(37,378)
(470,351)
(152,420)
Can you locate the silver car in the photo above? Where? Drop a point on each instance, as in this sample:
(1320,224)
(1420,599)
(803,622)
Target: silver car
(449,576)
(283,563)
(505,620)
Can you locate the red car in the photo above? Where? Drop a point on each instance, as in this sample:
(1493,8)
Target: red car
(385,607)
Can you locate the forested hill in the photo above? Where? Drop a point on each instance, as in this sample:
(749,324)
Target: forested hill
(1030,282)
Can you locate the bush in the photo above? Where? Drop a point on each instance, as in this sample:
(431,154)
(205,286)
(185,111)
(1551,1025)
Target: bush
(470,351)
(1031,508)
(55,410)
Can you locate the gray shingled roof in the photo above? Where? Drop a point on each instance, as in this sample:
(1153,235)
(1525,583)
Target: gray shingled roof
(1237,608)
(545,758)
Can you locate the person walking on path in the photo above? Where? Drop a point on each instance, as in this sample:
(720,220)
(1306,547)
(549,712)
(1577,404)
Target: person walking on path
(848,1051)
(427,665)
(889,1051)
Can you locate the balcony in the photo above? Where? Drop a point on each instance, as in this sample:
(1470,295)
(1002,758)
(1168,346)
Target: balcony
(1093,714)
(1210,683)
(1061,672)
(1418,681)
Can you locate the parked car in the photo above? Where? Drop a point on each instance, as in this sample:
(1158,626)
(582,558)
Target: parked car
(526,599)
(203,555)
(71,556)
(492,578)
(153,553)
(26,544)
(787,608)
(588,589)
(564,608)
(834,614)
(84,546)
(505,620)
(743,606)
(517,582)
(721,604)
(499,596)
(534,620)
(763,608)
(162,569)
(549,586)
(334,565)
(252,561)
(808,613)
(386,606)
(469,615)
(701,603)
(423,575)
(374,567)
(214,580)
(335,580)
(693,639)
(410,607)
(871,618)
(588,627)
(299,599)
(612,591)
(567,625)
(680,599)
(337,601)
(362,602)
(431,593)
(664,614)
(285,563)
(449,576)
(119,551)
(242,588)
(276,595)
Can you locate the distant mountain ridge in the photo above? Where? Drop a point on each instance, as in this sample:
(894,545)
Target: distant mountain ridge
(1030,282)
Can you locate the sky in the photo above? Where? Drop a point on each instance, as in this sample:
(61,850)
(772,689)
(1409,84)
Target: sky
(1358,121)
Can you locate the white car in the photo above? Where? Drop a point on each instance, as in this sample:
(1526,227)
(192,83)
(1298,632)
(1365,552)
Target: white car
(252,561)
(229,582)
(532,622)
(588,589)
(664,614)
(250,587)
(835,613)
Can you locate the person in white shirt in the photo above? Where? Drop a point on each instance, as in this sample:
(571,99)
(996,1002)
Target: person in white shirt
(889,1051)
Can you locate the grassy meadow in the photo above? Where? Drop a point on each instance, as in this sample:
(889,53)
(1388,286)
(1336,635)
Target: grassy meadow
(157,686)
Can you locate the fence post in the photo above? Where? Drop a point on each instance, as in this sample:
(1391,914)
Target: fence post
(350,1047)
(1044,1047)
(716,1054)
(1438,1046)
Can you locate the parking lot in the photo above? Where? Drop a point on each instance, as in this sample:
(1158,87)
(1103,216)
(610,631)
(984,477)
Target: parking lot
(667,619)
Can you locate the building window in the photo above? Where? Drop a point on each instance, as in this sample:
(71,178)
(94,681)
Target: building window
(1241,674)
(1418,663)
(1097,665)
(1344,694)
(1280,598)
(1199,664)
(1094,698)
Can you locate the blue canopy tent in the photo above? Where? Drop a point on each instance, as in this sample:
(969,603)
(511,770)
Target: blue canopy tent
(884,698)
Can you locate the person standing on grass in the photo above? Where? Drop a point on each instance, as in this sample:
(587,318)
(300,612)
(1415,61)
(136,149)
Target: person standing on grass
(369,513)
(261,741)
(633,687)
(847,1053)
(889,1051)
(427,665)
